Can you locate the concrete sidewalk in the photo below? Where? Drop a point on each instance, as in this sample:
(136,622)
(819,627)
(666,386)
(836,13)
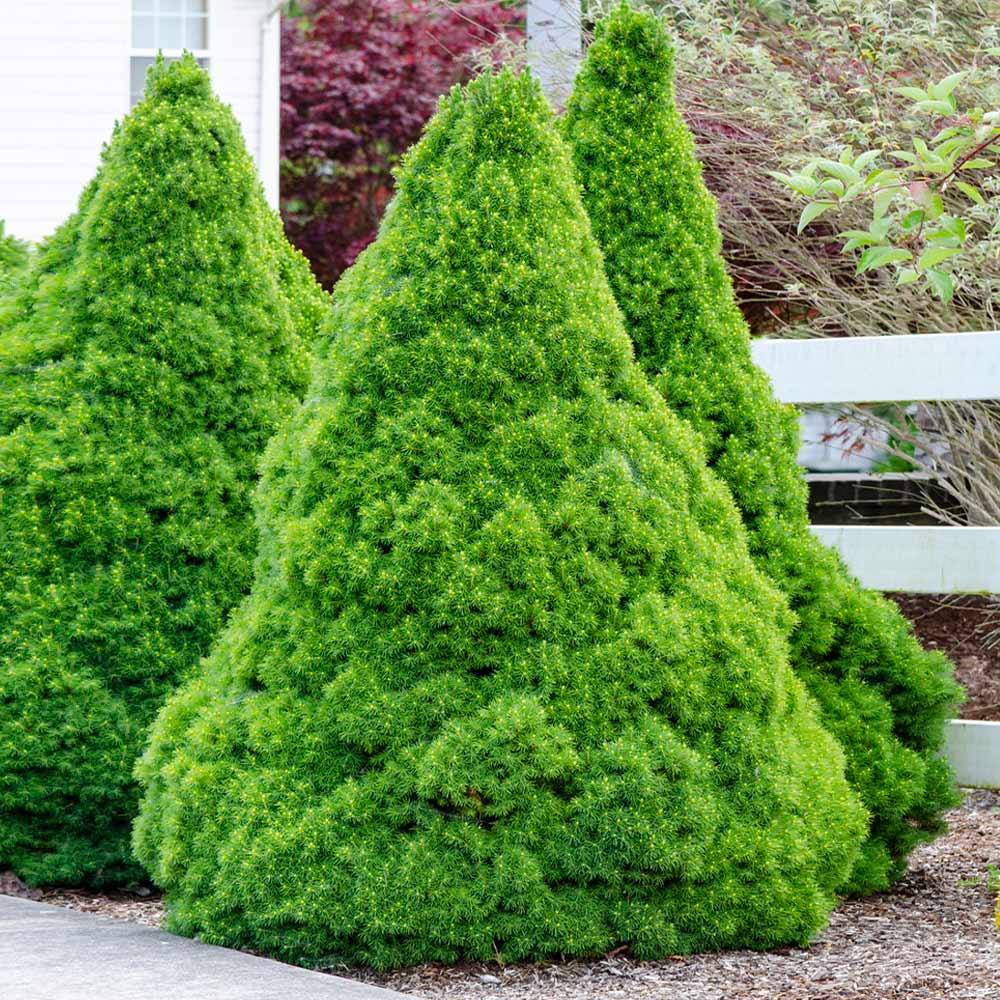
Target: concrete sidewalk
(51,953)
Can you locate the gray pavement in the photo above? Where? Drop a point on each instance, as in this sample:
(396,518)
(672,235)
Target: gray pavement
(51,953)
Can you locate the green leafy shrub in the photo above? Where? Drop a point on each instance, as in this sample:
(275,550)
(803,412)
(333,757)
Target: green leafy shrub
(882,696)
(147,358)
(508,682)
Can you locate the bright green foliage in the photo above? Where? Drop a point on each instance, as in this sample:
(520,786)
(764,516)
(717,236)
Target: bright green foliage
(882,696)
(13,252)
(149,355)
(508,681)
(14,255)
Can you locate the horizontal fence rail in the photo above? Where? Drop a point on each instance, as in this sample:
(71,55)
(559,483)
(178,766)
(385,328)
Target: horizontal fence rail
(930,366)
(919,559)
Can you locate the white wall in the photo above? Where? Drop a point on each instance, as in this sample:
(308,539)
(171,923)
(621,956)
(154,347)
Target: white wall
(64,81)
(236,49)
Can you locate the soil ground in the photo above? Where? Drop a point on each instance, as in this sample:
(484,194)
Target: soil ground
(967,628)
(933,937)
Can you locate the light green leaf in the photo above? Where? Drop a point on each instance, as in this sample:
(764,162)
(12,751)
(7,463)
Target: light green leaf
(972,191)
(907,275)
(880,228)
(948,133)
(854,238)
(914,93)
(813,211)
(880,256)
(881,176)
(977,163)
(944,107)
(881,203)
(950,231)
(804,185)
(941,283)
(934,206)
(843,172)
(935,255)
(947,85)
(797,182)
(951,145)
(866,159)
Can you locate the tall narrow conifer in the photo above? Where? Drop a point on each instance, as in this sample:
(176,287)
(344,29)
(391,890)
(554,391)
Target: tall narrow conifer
(884,697)
(145,361)
(508,681)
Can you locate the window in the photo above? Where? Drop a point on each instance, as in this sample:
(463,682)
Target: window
(170,26)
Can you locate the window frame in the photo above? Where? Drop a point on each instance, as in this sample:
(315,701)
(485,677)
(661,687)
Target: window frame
(203,54)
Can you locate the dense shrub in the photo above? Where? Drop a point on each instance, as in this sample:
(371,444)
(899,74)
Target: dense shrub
(882,696)
(149,355)
(508,682)
(359,79)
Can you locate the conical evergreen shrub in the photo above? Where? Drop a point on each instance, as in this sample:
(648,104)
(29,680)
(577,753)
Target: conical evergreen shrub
(146,360)
(882,696)
(508,682)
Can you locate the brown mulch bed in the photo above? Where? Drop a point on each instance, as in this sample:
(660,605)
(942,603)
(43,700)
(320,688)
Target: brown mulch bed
(963,626)
(142,906)
(932,937)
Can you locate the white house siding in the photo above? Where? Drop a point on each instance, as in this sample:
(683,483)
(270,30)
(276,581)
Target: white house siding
(64,81)
(236,50)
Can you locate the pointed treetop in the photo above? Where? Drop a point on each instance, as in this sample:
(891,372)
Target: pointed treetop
(179,80)
(152,349)
(634,49)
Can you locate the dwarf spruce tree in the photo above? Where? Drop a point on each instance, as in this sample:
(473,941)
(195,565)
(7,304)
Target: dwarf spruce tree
(148,356)
(882,696)
(507,682)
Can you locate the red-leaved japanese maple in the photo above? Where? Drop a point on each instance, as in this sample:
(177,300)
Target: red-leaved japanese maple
(359,79)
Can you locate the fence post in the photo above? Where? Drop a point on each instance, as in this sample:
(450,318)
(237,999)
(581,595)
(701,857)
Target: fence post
(554,44)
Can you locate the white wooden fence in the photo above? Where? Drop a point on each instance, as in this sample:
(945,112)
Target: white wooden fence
(934,560)
(940,366)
